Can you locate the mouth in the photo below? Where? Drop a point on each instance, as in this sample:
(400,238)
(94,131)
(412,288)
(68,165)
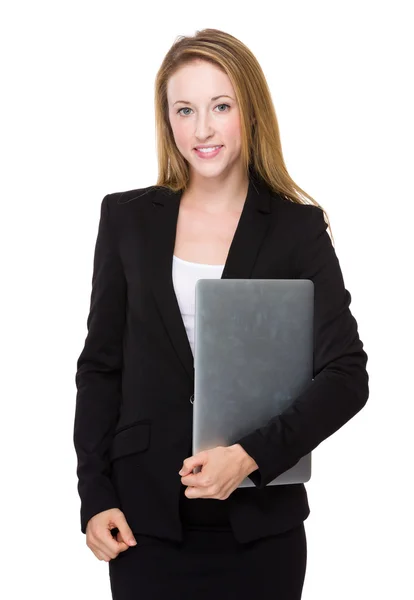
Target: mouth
(207,152)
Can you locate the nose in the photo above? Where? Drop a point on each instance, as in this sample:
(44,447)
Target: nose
(203,128)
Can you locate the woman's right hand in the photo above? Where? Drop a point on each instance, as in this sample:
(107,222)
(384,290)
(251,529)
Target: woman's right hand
(100,539)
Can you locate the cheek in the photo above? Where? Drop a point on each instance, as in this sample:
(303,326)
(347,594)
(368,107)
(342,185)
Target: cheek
(232,131)
(181,135)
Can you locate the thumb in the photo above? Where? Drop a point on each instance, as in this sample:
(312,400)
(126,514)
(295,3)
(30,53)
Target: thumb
(192,462)
(125,532)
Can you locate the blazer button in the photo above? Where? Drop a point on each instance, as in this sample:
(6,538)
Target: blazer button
(192,398)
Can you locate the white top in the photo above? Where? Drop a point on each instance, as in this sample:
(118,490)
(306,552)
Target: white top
(185,276)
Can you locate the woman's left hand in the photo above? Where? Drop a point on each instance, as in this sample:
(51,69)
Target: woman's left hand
(223,469)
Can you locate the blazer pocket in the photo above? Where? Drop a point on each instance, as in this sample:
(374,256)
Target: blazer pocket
(132,439)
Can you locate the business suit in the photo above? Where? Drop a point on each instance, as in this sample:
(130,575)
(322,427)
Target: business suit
(135,374)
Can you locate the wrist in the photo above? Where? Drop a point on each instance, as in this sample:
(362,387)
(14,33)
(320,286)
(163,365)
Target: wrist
(248,461)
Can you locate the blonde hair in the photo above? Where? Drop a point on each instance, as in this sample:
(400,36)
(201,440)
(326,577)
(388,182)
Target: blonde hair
(261,150)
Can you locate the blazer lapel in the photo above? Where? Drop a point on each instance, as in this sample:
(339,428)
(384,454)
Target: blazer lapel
(161,217)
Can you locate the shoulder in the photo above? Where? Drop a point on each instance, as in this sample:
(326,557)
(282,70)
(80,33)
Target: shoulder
(300,219)
(121,209)
(135,197)
(125,207)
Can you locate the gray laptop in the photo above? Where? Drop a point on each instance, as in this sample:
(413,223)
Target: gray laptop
(253,355)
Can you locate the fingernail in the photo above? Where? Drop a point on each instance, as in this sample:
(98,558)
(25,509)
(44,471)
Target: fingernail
(133,542)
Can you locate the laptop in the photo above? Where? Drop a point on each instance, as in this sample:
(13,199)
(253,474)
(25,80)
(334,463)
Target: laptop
(253,355)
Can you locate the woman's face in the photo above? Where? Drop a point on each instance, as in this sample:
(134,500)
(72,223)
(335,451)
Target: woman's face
(197,119)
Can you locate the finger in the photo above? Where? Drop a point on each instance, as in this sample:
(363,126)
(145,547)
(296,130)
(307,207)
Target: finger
(197,479)
(195,492)
(204,491)
(185,470)
(100,555)
(107,544)
(122,545)
(190,493)
(124,530)
(196,461)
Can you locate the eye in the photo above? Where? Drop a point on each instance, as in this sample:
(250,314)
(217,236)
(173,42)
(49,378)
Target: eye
(187,108)
(180,109)
(228,106)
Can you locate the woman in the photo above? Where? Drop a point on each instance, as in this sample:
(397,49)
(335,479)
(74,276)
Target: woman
(165,530)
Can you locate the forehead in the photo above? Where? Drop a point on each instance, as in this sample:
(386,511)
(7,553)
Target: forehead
(198,80)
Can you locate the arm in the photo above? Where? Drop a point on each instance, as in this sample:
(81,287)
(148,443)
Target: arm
(340,386)
(98,376)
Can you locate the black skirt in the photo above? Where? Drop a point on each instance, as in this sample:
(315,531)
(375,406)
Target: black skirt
(210,562)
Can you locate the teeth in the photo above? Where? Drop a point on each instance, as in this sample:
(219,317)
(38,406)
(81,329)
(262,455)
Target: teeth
(208,149)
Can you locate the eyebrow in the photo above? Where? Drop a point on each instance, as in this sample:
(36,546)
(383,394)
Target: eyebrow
(214,98)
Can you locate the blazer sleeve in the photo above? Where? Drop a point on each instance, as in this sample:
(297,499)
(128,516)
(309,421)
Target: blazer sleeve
(98,376)
(340,388)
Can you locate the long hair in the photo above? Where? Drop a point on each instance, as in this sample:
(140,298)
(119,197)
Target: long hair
(261,150)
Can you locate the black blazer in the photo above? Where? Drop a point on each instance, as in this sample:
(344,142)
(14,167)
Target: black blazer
(135,374)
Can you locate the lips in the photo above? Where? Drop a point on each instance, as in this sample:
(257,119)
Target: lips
(207,155)
(212,146)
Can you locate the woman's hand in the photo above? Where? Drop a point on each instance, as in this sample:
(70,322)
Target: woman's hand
(100,539)
(223,469)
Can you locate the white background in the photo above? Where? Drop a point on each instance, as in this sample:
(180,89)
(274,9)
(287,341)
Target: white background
(77,122)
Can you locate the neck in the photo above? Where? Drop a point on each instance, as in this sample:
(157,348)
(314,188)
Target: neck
(216,195)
